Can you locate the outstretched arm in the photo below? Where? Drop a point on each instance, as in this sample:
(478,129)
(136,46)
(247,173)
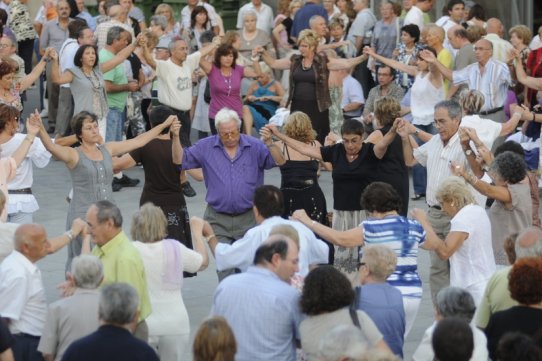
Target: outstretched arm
(350,238)
(35,73)
(117,148)
(409,69)
(430,58)
(176,147)
(301,147)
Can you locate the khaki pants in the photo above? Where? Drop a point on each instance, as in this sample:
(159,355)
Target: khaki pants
(439,271)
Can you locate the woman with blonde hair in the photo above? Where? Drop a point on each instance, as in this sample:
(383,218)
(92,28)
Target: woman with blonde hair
(468,245)
(164,261)
(214,341)
(309,73)
(299,173)
(173,28)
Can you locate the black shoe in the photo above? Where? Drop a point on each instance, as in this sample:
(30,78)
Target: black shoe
(116,186)
(188,191)
(417,197)
(126,181)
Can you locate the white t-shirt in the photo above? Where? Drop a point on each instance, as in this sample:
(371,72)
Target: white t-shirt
(473,262)
(487,129)
(66,55)
(175,82)
(414,16)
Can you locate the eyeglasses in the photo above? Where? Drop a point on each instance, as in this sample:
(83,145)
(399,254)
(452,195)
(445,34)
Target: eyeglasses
(229,135)
(4,46)
(480,49)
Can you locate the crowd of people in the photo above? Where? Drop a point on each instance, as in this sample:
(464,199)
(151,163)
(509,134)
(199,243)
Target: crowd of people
(376,98)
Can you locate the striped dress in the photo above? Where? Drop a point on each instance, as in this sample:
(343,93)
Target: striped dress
(403,236)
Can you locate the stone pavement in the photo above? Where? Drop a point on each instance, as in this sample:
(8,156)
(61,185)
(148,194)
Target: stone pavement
(52,184)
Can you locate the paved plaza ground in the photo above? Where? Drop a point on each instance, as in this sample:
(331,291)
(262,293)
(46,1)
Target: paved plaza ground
(52,184)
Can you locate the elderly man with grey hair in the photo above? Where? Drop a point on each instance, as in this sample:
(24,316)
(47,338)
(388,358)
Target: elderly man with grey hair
(158,25)
(497,296)
(233,165)
(113,341)
(453,302)
(71,318)
(343,342)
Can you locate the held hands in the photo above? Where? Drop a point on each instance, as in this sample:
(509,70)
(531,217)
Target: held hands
(404,128)
(457,169)
(367,50)
(196,224)
(419,215)
(175,127)
(331,138)
(266,135)
(34,121)
(50,53)
(207,229)
(217,41)
(79,227)
(396,124)
(273,129)
(428,56)
(169,121)
(523,110)
(301,216)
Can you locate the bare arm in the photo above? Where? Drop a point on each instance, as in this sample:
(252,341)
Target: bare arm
(176,147)
(279,64)
(118,58)
(350,238)
(430,58)
(57,77)
(252,73)
(117,148)
(122,163)
(7,355)
(21,152)
(511,124)
(200,229)
(534,83)
(381,147)
(301,147)
(267,138)
(34,75)
(408,154)
(498,193)
(57,243)
(410,70)
(205,65)
(339,63)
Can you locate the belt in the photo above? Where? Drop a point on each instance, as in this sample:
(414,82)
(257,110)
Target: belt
(26,335)
(435,207)
(299,183)
(20,191)
(235,214)
(491,111)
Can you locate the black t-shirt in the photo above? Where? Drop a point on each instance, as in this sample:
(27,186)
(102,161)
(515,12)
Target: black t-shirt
(350,178)
(6,340)
(288,22)
(527,320)
(162,184)
(135,64)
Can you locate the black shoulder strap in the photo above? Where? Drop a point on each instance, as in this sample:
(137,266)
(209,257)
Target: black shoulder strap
(353,309)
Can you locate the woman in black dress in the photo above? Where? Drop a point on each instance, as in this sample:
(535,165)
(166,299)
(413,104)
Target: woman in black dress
(309,73)
(354,168)
(391,168)
(299,182)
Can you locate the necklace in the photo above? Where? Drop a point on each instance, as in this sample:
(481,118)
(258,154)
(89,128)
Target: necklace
(303,65)
(94,81)
(227,80)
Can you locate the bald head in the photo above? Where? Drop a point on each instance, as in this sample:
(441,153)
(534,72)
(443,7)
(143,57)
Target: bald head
(529,243)
(457,36)
(494,26)
(114,11)
(31,241)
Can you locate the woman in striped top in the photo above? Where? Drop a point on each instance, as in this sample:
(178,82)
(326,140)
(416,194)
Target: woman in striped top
(384,226)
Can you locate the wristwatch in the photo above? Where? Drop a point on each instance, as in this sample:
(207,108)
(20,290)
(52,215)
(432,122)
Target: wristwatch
(468,152)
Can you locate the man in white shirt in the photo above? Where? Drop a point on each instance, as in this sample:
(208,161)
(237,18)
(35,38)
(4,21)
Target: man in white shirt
(23,304)
(174,77)
(495,33)
(416,13)
(361,31)
(268,208)
(263,12)
(456,9)
(352,100)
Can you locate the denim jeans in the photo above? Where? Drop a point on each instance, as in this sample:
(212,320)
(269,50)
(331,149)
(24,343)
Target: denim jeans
(115,125)
(419,172)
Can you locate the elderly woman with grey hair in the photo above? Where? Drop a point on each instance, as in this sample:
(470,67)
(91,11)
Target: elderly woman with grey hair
(251,36)
(452,302)
(380,300)
(512,210)
(164,261)
(468,244)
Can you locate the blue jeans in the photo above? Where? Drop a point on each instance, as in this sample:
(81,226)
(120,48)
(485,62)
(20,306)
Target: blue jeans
(115,125)
(419,173)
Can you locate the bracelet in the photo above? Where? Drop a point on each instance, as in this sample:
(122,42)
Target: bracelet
(28,138)
(70,235)
(209,237)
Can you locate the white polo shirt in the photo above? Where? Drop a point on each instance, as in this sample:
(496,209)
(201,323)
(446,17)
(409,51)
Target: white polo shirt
(175,82)
(22,296)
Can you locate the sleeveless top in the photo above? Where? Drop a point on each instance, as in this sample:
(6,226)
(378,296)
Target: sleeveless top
(91,181)
(298,173)
(424,96)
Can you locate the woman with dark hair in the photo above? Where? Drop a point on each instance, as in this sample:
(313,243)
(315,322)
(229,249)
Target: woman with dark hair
(515,346)
(477,16)
(354,168)
(90,164)
(512,210)
(326,300)
(224,77)
(524,285)
(214,341)
(406,53)
(86,80)
(199,22)
(384,226)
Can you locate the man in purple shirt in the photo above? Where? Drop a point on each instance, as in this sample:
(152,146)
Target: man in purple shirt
(233,166)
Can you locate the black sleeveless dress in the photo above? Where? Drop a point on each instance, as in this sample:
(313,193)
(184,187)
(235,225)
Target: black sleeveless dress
(300,189)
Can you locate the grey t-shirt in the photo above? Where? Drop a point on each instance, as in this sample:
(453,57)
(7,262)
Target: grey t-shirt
(362,26)
(84,89)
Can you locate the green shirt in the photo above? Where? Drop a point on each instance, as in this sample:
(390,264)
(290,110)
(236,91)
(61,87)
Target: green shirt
(116,76)
(122,263)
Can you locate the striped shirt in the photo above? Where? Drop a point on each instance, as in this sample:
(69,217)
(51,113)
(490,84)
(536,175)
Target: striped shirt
(263,312)
(403,236)
(501,47)
(492,83)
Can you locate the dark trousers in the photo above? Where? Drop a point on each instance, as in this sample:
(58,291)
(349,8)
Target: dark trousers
(184,118)
(25,48)
(25,348)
